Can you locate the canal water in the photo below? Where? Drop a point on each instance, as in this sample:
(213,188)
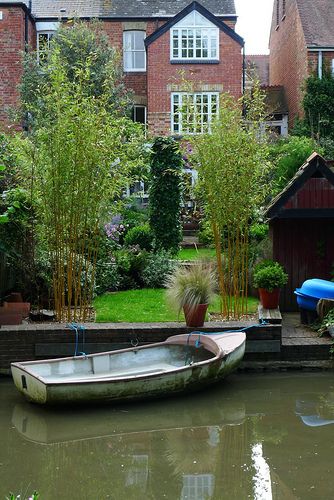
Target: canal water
(263,437)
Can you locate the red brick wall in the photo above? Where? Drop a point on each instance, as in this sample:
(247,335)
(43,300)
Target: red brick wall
(313,61)
(11,46)
(162,75)
(288,57)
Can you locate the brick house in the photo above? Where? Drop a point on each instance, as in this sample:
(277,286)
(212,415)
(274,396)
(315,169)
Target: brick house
(301,43)
(163,43)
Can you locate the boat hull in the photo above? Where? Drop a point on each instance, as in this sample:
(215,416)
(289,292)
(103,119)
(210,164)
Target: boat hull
(187,378)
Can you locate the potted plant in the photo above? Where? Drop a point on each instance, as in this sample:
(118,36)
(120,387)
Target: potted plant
(269,277)
(192,288)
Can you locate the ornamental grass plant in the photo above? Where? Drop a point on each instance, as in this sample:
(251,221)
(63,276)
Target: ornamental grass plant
(191,286)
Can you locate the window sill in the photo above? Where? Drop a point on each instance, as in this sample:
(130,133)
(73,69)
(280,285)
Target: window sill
(194,61)
(134,70)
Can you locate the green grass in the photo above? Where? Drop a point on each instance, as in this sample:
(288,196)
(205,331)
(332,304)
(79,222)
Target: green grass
(143,306)
(193,254)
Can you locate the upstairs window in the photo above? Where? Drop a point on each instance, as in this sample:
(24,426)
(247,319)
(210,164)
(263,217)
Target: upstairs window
(134,54)
(43,45)
(192,113)
(194,38)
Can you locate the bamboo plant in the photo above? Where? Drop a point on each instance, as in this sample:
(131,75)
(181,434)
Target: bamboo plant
(80,158)
(232,163)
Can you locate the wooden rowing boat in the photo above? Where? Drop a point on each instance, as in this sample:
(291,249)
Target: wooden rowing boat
(181,363)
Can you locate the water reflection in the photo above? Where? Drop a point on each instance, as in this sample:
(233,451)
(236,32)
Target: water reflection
(245,439)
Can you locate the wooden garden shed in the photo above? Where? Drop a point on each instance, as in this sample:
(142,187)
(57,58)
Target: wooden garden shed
(301,222)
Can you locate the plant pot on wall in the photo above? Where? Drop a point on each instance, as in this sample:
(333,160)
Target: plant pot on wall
(195,316)
(269,277)
(269,300)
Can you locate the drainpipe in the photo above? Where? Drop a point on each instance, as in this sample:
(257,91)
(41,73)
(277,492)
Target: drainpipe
(320,64)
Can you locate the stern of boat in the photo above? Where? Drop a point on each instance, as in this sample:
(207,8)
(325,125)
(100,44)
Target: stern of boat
(33,389)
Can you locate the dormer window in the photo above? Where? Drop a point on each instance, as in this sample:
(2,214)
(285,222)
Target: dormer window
(194,38)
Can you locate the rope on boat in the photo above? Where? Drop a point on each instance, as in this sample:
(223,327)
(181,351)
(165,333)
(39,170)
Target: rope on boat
(189,358)
(77,328)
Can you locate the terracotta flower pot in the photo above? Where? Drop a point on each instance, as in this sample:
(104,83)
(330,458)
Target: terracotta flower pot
(269,300)
(196,316)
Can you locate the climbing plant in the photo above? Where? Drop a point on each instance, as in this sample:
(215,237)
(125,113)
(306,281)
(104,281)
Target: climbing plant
(165,194)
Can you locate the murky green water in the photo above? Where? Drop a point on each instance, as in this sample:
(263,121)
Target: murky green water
(254,436)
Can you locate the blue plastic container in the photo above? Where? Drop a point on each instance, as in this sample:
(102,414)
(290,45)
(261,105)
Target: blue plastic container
(312,291)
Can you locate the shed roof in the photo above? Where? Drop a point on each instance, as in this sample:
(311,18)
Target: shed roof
(317,17)
(314,164)
(46,9)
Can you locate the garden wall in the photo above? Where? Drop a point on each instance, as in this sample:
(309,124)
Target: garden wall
(30,342)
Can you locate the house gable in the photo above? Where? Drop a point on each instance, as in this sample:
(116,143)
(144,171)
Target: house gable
(194,6)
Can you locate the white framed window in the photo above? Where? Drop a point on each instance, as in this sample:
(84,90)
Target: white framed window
(134,53)
(194,38)
(192,113)
(43,45)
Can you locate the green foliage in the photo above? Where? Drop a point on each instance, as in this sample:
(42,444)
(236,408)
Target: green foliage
(205,233)
(133,216)
(158,268)
(107,278)
(141,236)
(318,104)
(12,496)
(270,276)
(258,231)
(165,194)
(233,164)
(287,156)
(79,157)
(327,146)
(130,264)
(77,44)
(191,286)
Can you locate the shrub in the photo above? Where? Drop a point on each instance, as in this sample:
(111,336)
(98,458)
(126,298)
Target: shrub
(130,263)
(165,194)
(205,234)
(270,276)
(141,236)
(288,155)
(107,278)
(158,268)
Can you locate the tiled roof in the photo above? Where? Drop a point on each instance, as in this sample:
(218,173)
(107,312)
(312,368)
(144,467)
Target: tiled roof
(259,63)
(317,17)
(124,8)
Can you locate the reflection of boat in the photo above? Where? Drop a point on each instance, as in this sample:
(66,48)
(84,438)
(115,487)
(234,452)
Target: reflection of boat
(43,426)
(181,363)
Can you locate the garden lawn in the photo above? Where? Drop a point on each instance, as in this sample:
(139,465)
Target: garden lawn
(144,306)
(196,254)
